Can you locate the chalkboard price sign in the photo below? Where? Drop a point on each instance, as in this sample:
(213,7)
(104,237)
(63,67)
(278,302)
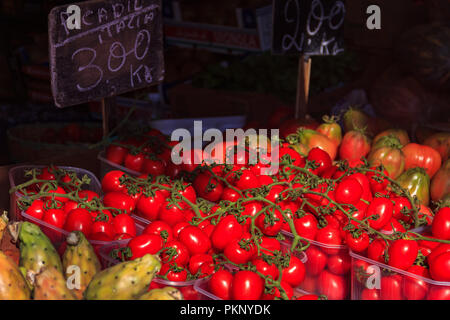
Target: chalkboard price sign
(118,48)
(308,27)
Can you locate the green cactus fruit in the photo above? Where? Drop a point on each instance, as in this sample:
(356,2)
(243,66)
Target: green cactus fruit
(80,253)
(50,284)
(12,283)
(167,293)
(36,250)
(124,281)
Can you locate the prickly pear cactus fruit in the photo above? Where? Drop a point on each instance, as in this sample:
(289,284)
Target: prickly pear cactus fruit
(50,284)
(124,281)
(79,253)
(36,250)
(12,283)
(167,293)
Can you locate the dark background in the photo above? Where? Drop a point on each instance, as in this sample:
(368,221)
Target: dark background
(254,83)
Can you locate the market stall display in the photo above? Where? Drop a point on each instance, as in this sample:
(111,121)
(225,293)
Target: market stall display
(188,198)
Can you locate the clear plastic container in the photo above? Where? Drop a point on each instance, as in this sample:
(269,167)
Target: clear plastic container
(107,166)
(201,286)
(328,270)
(185,287)
(372,280)
(16,177)
(58,236)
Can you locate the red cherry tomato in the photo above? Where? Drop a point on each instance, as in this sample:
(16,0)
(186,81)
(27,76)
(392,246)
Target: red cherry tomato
(439,293)
(79,219)
(226,230)
(380,212)
(208,187)
(116,154)
(103,227)
(55,217)
(403,253)
(440,267)
(270,223)
(377,182)
(154,167)
(195,240)
(339,264)
(334,287)
(148,207)
(175,252)
(370,294)
(220,284)
(111,181)
(376,250)
(230,194)
(145,244)
(120,201)
(36,209)
(197,260)
(357,243)
(239,253)
(173,275)
(317,260)
(331,237)
(247,285)
(268,270)
(171,214)
(441,224)
(391,287)
(248,180)
(160,228)
(294,274)
(402,208)
(320,158)
(124,224)
(269,245)
(306,226)
(178,227)
(134,161)
(348,191)
(413,288)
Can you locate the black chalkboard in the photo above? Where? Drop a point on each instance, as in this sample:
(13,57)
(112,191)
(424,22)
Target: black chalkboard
(118,48)
(308,27)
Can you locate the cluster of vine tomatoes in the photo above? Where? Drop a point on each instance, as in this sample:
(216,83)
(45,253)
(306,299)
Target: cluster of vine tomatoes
(147,154)
(425,259)
(58,202)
